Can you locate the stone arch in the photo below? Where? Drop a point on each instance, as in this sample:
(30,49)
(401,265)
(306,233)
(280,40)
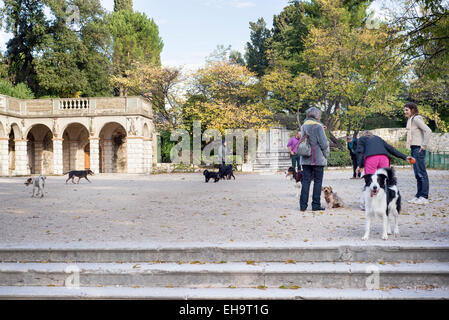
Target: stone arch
(75,137)
(146,131)
(13,135)
(15,129)
(2,130)
(113,148)
(40,149)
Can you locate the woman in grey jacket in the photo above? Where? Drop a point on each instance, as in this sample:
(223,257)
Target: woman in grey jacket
(313,166)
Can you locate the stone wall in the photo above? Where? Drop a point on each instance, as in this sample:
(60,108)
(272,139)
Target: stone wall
(391,135)
(438,142)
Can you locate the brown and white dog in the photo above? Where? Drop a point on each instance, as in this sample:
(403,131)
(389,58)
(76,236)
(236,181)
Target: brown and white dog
(332,200)
(38,183)
(296,177)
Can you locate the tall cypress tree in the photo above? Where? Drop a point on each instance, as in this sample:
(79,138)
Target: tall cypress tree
(256,50)
(120,5)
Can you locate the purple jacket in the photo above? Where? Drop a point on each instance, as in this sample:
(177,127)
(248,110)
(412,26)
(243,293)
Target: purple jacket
(293,143)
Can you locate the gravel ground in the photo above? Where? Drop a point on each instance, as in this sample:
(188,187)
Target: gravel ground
(183,208)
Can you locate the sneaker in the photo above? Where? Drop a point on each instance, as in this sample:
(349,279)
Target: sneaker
(422,200)
(413,200)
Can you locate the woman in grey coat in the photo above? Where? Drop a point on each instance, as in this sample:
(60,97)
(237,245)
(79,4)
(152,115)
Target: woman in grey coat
(313,166)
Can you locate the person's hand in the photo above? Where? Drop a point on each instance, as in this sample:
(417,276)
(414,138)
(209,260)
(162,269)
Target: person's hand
(410,160)
(358,170)
(421,149)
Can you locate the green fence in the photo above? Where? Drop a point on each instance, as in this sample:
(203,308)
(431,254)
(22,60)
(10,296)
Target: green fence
(438,160)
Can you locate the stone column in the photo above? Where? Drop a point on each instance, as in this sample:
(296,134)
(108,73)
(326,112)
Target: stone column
(135,154)
(148,155)
(38,148)
(4,157)
(74,155)
(94,154)
(108,153)
(57,156)
(21,157)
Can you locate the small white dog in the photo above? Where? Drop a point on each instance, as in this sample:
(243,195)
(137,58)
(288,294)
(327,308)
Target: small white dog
(38,183)
(381,198)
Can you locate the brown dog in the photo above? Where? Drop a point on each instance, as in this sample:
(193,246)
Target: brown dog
(332,200)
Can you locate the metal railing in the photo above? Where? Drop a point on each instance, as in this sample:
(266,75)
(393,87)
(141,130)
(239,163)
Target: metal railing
(437,160)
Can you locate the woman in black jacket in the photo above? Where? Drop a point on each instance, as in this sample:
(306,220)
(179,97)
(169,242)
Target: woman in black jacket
(373,152)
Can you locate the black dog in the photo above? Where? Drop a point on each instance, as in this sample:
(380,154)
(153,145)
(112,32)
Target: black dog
(226,171)
(211,175)
(79,174)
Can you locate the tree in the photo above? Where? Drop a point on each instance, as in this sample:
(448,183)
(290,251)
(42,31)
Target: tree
(160,86)
(286,92)
(292,25)
(135,39)
(126,5)
(256,51)
(224,95)
(421,31)
(20,90)
(25,20)
(353,76)
(70,60)
(432,96)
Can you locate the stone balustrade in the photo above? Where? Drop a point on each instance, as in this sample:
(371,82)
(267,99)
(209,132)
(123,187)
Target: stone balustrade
(74,106)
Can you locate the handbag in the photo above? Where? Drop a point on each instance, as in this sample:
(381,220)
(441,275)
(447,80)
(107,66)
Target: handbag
(304,148)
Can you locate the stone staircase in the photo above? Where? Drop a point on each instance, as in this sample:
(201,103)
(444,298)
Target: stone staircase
(237,271)
(272,162)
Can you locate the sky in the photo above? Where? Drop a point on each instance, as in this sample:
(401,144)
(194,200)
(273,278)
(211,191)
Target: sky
(192,29)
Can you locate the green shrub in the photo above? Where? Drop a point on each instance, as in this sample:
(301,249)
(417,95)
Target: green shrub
(166,146)
(21,90)
(339,158)
(400,162)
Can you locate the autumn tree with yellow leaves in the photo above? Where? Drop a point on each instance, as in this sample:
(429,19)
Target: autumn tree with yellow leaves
(225,95)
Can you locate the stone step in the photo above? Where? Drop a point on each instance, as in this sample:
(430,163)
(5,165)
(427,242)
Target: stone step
(212,253)
(225,275)
(220,293)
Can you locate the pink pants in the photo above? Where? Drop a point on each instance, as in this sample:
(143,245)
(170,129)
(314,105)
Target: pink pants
(372,163)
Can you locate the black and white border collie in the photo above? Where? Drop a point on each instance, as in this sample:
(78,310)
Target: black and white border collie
(382,197)
(296,177)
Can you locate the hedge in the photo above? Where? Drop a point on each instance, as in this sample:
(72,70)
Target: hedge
(339,158)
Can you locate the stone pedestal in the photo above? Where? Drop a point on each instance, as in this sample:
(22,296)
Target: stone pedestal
(147,156)
(95,154)
(21,157)
(4,157)
(135,154)
(57,156)
(272,152)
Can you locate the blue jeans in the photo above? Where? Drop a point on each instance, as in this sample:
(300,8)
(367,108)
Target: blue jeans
(420,172)
(316,173)
(295,162)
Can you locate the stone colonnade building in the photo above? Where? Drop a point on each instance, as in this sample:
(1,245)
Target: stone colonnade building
(54,136)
